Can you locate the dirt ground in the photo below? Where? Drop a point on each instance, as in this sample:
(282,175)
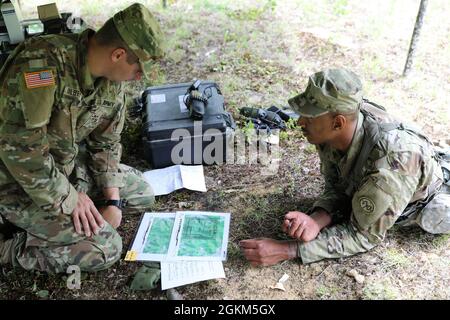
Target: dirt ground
(261,53)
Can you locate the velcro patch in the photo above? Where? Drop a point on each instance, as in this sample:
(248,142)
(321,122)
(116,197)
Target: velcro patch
(39,79)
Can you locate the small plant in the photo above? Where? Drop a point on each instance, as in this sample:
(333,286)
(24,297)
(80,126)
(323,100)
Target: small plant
(217,6)
(234,250)
(394,258)
(291,123)
(340,7)
(271,5)
(249,129)
(234,36)
(380,291)
(322,291)
(310,149)
(284,135)
(327,292)
(441,241)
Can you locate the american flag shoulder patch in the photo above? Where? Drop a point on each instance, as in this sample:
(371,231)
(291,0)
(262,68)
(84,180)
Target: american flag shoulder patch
(39,79)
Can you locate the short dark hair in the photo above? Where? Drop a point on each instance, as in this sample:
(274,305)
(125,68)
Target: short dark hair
(108,36)
(350,116)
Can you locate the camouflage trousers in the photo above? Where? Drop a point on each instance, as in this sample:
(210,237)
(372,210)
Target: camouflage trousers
(47,241)
(433,213)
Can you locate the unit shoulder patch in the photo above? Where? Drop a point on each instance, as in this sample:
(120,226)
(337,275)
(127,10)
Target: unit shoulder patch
(367,204)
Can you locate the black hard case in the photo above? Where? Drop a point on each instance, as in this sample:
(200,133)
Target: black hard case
(165,111)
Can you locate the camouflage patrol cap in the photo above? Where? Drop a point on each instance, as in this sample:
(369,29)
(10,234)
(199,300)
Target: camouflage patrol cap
(331,90)
(139,29)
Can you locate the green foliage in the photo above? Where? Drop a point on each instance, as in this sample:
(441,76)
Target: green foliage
(310,149)
(441,241)
(233,250)
(395,258)
(182,33)
(291,124)
(284,135)
(271,5)
(327,292)
(246,15)
(230,36)
(254,13)
(156,78)
(380,291)
(340,7)
(374,65)
(249,129)
(208,5)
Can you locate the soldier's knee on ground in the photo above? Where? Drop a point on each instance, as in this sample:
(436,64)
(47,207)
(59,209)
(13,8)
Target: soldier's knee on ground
(137,191)
(98,252)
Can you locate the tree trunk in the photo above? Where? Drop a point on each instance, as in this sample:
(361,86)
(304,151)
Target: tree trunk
(415,37)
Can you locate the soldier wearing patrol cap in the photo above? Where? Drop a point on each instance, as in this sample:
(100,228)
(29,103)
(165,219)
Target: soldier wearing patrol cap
(377,172)
(62,110)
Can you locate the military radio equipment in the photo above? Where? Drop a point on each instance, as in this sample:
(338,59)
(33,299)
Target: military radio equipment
(263,119)
(285,113)
(172,133)
(14,29)
(195,101)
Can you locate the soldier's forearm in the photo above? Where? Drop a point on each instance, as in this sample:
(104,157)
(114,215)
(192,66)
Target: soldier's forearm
(111,193)
(321,217)
(292,249)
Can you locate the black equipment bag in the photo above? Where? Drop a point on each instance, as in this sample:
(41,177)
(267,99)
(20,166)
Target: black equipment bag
(171,136)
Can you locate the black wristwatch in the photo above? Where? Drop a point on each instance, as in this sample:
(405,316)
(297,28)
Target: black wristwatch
(117,203)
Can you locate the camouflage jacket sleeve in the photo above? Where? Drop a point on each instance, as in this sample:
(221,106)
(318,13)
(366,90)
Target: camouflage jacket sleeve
(330,198)
(104,146)
(376,205)
(26,108)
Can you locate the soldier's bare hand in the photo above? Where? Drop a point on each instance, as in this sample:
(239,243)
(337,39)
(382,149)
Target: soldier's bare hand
(300,226)
(112,215)
(86,217)
(267,252)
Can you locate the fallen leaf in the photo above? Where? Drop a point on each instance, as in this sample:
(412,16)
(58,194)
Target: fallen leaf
(42,294)
(353,273)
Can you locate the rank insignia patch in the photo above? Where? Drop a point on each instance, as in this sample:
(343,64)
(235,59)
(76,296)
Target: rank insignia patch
(39,79)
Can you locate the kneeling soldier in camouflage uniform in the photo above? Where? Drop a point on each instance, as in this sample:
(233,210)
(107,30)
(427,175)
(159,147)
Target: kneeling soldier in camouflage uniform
(62,110)
(377,172)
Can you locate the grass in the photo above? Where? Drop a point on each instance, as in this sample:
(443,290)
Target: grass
(340,7)
(327,291)
(380,291)
(209,5)
(441,241)
(395,258)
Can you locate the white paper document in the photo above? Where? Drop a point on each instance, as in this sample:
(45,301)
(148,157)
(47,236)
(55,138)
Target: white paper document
(167,180)
(175,274)
(191,245)
(185,235)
